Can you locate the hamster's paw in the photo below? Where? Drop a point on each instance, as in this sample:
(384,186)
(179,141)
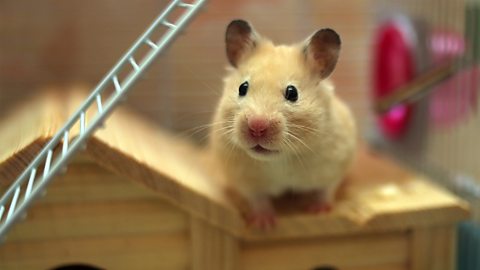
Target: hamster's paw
(261,219)
(262,214)
(319,207)
(321,204)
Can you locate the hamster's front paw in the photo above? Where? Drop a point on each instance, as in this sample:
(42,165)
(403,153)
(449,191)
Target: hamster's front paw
(320,205)
(261,215)
(262,220)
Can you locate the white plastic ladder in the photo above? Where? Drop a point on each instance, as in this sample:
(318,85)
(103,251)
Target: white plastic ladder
(30,183)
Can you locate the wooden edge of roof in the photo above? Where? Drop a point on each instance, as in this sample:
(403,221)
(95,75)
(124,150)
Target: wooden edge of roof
(25,129)
(132,146)
(11,166)
(191,200)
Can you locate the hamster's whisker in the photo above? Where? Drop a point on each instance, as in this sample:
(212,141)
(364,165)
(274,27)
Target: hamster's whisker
(308,132)
(289,144)
(204,138)
(303,128)
(291,134)
(195,130)
(230,147)
(294,149)
(201,127)
(225,130)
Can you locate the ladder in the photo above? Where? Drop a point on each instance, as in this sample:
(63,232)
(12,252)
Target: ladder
(54,156)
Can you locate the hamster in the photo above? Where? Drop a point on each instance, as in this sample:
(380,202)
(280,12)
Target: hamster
(278,126)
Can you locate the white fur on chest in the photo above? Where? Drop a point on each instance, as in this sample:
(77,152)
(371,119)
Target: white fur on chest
(296,174)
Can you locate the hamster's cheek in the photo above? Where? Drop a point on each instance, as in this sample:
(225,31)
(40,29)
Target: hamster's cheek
(227,112)
(240,130)
(301,126)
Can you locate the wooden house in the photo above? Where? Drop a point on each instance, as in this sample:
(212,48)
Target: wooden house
(138,197)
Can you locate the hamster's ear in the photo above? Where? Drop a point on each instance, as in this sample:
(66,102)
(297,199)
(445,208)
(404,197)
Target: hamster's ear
(240,39)
(321,52)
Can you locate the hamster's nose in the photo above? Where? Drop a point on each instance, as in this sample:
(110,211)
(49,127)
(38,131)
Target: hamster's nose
(258,126)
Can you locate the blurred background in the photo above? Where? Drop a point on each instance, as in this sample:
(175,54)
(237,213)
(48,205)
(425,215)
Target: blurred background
(50,43)
(387,45)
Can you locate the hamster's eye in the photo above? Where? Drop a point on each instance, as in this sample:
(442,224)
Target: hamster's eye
(291,93)
(242,89)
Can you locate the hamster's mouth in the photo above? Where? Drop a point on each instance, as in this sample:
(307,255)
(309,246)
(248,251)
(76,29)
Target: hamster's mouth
(264,151)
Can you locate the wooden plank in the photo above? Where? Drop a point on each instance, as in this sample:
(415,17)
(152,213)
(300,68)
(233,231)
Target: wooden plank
(443,248)
(46,221)
(99,192)
(420,249)
(350,252)
(86,181)
(450,250)
(212,248)
(148,251)
(433,248)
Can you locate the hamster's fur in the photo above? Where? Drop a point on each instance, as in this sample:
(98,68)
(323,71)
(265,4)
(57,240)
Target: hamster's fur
(267,142)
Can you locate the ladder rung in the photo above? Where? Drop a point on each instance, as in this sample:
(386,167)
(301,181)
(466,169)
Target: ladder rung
(30,183)
(185,5)
(117,84)
(99,103)
(14,203)
(134,64)
(151,43)
(168,24)
(82,123)
(47,163)
(65,142)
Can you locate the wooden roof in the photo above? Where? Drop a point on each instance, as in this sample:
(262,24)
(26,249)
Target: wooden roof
(379,195)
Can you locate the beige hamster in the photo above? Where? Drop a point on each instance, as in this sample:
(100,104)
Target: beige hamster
(279,126)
